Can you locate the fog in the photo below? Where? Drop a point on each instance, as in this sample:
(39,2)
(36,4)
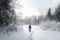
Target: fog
(36,7)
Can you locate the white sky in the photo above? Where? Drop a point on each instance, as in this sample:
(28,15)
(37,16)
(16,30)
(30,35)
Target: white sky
(36,7)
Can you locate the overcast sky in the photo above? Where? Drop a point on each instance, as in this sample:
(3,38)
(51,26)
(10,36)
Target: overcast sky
(36,7)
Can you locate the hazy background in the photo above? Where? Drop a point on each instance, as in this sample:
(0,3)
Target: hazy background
(36,7)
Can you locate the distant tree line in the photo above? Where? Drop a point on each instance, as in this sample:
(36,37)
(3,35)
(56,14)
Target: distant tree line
(49,17)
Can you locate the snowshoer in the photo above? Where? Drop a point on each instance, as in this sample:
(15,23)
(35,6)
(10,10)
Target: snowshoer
(29,28)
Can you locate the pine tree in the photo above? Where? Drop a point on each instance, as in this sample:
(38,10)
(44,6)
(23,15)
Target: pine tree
(57,13)
(6,12)
(49,14)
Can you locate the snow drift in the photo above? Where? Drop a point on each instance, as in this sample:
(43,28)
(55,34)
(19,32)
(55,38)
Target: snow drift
(50,25)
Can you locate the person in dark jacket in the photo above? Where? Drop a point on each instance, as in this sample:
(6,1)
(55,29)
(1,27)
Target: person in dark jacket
(29,28)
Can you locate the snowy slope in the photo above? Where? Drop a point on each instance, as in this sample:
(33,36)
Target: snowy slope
(36,34)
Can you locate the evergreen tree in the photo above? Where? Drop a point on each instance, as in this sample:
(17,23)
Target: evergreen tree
(49,14)
(6,12)
(57,13)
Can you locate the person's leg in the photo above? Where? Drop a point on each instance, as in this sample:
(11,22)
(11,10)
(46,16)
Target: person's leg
(30,30)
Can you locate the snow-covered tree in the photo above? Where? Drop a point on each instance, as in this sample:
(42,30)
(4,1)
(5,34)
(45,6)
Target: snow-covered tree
(6,12)
(57,13)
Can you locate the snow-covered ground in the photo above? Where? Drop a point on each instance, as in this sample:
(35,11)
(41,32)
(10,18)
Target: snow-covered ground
(50,25)
(36,34)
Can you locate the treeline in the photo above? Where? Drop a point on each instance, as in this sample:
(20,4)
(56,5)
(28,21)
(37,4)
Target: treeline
(32,20)
(36,20)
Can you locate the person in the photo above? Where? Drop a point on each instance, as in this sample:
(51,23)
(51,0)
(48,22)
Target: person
(29,28)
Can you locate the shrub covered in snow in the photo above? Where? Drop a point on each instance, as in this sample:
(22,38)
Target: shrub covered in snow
(50,25)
